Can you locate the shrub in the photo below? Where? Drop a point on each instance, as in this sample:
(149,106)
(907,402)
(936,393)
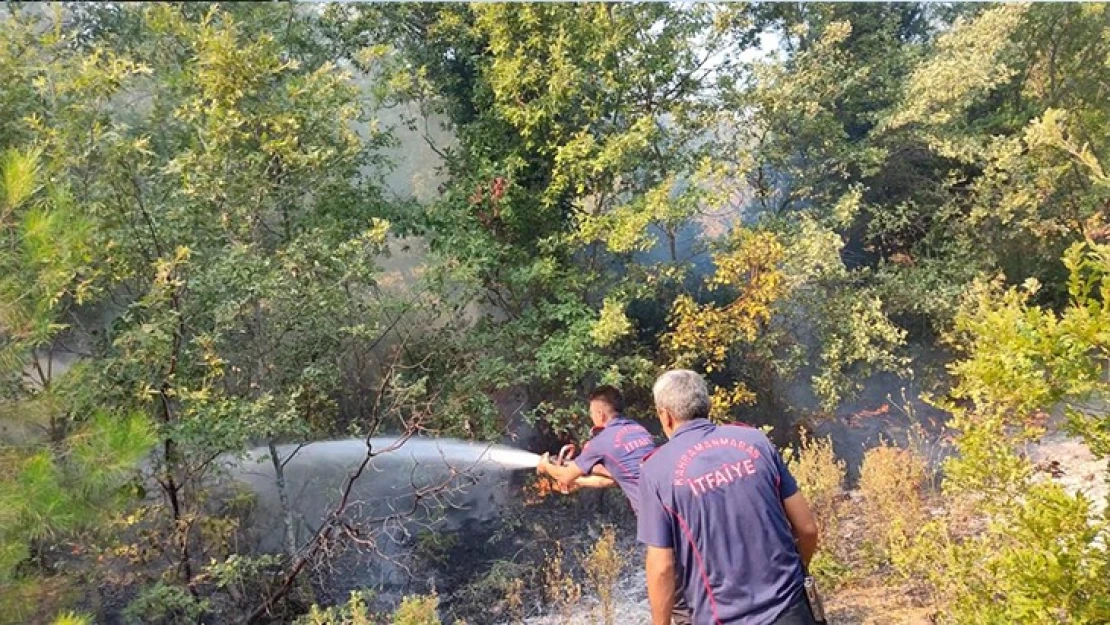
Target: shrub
(497,593)
(1046,563)
(559,588)
(417,610)
(26,598)
(820,475)
(355,612)
(244,578)
(603,565)
(930,560)
(435,547)
(1043,562)
(1030,553)
(72,618)
(514,600)
(892,483)
(1037,554)
(164,603)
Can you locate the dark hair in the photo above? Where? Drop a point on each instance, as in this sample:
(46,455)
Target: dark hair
(610,395)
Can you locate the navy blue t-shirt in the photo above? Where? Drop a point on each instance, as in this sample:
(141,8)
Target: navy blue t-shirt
(714,495)
(620,447)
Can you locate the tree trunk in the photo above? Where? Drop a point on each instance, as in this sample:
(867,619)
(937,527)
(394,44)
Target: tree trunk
(283,497)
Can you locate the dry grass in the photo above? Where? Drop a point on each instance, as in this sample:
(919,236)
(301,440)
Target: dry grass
(560,590)
(893,485)
(603,566)
(876,604)
(514,600)
(820,475)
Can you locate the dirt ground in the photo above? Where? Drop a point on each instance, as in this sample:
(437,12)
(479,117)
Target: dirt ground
(874,605)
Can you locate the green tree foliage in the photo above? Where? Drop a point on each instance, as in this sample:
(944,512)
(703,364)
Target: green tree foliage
(575,127)
(1022,357)
(49,496)
(591,144)
(1041,557)
(204,182)
(54,489)
(1023,133)
(193,216)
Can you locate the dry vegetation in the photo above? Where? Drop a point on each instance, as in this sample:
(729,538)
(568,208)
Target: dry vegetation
(561,591)
(604,564)
(861,529)
(892,485)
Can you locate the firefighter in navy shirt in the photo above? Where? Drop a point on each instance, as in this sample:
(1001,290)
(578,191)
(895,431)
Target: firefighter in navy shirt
(613,454)
(719,507)
(612,457)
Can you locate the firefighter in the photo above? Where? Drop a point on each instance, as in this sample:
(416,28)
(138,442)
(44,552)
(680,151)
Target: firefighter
(611,457)
(720,511)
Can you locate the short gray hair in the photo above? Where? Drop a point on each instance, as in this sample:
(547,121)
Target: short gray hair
(682,393)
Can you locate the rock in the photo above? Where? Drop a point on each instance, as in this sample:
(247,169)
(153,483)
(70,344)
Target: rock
(1069,462)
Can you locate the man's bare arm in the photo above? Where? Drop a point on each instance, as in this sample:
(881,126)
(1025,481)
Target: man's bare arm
(600,469)
(594,481)
(803,524)
(660,583)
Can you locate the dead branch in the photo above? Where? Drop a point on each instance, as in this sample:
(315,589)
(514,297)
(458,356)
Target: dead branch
(336,527)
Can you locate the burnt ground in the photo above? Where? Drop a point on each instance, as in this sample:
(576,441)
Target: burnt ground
(494,572)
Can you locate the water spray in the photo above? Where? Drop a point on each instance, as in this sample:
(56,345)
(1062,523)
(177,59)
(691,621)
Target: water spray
(454,451)
(512,458)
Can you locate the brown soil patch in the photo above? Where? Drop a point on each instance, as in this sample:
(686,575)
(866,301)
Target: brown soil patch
(875,605)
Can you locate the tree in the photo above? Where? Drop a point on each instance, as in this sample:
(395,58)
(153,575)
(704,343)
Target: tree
(61,481)
(584,164)
(226,211)
(1022,196)
(1018,359)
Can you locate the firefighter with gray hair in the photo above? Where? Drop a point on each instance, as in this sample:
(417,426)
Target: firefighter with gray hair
(720,512)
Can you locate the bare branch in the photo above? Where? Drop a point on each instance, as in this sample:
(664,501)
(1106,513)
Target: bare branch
(337,529)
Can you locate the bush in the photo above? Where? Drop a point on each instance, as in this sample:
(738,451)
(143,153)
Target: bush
(820,475)
(164,603)
(244,578)
(498,593)
(603,565)
(417,610)
(930,560)
(1029,553)
(355,612)
(1042,562)
(72,618)
(1048,563)
(435,547)
(24,599)
(892,482)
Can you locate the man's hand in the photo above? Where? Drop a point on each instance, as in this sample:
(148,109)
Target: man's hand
(661,584)
(545,462)
(565,490)
(564,475)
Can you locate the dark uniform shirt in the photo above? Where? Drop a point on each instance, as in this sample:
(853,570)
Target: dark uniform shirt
(714,495)
(620,447)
